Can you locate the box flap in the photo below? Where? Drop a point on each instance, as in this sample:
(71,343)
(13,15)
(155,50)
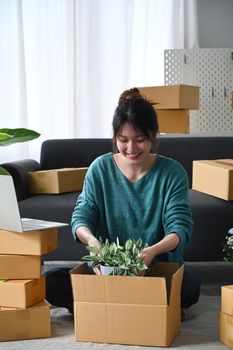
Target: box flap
(220,163)
(123,289)
(226,162)
(132,290)
(176,283)
(57,170)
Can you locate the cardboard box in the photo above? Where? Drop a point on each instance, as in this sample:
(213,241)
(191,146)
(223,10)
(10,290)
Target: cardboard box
(20,266)
(22,293)
(214,177)
(172,96)
(226,329)
(127,309)
(227,300)
(30,323)
(56,180)
(173,120)
(33,242)
(226,316)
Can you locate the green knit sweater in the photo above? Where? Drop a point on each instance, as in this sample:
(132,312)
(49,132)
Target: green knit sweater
(157,204)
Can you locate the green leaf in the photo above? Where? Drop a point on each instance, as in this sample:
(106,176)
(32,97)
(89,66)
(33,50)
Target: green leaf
(10,136)
(87,258)
(93,250)
(3,171)
(126,258)
(128,244)
(105,250)
(124,267)
(4,136)
(135,250)
(113,249)
(139,244)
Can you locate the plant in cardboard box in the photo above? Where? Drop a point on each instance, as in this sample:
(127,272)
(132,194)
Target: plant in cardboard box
(10,136)
(115,259)
(228,246)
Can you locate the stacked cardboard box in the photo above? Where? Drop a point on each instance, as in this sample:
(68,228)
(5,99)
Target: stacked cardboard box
(127,309)
(24,313)
(172,104)
(226,316)
(214,177)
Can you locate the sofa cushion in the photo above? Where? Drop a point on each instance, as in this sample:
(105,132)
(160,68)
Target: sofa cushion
(188,147)
(69,153)
(49,206)
(211,217)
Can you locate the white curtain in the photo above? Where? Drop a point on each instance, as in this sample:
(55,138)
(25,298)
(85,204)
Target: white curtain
(63,63)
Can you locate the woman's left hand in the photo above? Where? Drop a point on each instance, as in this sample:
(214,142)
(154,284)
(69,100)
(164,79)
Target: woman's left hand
(147,255)
(168,243)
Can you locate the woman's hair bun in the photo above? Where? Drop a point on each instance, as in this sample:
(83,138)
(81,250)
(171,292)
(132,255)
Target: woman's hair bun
(131,93)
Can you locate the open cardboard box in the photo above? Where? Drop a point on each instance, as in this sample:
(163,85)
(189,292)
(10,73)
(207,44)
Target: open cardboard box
(132,310)
(214,177)
(57,180)
(226,316)
(34,242)
(20,266)
(30,323)
(172,96)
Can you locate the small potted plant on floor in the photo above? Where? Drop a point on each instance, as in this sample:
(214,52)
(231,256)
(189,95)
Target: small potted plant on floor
(116,259)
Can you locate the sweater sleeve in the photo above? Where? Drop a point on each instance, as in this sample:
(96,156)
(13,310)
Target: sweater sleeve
(86,211)
(177,216)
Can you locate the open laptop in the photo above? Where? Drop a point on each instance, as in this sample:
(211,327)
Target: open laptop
(9,211)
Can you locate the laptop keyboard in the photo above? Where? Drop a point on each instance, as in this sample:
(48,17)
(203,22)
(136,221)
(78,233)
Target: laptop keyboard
(32,224)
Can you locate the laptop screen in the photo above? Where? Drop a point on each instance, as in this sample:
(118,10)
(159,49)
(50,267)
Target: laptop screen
(9,210)
(10,219)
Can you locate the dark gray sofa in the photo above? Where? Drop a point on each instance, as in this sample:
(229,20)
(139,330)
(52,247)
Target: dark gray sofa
(212,216)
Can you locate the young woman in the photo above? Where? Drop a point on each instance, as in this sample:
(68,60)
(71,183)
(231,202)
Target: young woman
(135,193)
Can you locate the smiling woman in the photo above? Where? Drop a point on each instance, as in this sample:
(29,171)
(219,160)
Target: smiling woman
(134,193)
(10,136)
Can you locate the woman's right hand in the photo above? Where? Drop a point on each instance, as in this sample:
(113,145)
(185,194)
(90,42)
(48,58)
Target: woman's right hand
(86,237)
(93,242)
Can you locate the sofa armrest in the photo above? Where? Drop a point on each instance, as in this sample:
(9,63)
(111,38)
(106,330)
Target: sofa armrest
(18,171)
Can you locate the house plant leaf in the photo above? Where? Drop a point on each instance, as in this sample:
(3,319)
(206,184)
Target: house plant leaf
(10,136)
(122,260)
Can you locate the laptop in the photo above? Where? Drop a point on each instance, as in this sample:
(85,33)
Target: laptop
(10,219)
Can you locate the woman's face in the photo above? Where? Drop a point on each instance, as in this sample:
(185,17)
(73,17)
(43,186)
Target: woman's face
(133,145)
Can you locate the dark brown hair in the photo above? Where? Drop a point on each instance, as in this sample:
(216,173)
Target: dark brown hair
(135,109)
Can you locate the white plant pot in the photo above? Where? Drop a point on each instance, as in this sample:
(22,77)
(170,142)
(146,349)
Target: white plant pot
(109,270)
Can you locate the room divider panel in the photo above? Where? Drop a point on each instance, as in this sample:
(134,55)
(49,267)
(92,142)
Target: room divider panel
(212,71)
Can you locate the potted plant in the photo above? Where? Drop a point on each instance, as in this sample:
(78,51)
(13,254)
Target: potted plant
(116,259)
(10,136)
(228,246)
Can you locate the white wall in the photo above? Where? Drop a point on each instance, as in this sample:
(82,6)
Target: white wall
(215,21)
